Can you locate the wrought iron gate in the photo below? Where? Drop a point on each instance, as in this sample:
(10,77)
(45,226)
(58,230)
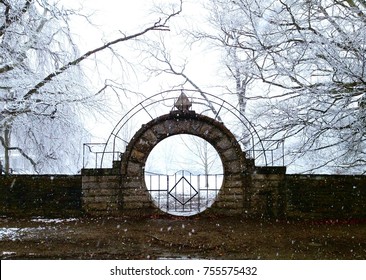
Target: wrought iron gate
(183,193)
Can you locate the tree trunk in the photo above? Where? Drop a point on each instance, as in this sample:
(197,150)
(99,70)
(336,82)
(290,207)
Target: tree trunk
(7,135)
(206,161)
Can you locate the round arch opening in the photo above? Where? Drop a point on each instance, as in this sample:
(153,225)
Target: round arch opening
(183,175)
(135,195)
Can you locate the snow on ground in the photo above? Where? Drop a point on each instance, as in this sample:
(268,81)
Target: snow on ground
(55,221)
(14,233)
(18,233)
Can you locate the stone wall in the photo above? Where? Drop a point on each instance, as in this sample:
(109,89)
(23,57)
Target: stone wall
(46,195)
(231,198)
(265,193)
(260,193)
(325,197)
(101,191)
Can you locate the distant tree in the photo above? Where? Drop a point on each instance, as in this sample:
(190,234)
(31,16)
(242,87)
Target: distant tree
(202,155)
(43,92)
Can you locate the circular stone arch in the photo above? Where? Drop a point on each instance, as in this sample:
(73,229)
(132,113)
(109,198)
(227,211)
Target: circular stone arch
(134,194)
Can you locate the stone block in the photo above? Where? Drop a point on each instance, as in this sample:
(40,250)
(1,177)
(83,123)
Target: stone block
(138,156)
(231,184)
(132,184)
(133,205)
(99,199)
(101,206)
(135,198)
(100,185)
(102,192)
(150,138)
(215,135)
(232,168)
(230,204)
(98,179)
(206,131)
(230,155)
(134,169)
(230,198)
(172,127)
(160,131)
(195,126)
(142,144)
(260,177)
(232,191)
(224,144)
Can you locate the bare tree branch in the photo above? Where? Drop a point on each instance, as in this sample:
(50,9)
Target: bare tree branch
(160,25)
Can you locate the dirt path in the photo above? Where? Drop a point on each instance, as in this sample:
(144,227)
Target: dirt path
(120,238)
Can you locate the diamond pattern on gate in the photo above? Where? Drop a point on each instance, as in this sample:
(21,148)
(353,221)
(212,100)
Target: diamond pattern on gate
(180,187)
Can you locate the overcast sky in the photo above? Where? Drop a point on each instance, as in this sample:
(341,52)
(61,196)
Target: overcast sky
(111,17)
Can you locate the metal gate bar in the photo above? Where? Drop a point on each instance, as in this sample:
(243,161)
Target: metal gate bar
(183,193)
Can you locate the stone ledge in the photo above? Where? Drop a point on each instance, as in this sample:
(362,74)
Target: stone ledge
(270,170)
(99,171)
(100,192)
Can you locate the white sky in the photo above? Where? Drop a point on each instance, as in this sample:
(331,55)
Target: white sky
(111,17)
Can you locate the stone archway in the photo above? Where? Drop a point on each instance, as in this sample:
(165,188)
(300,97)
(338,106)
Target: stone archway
(134,195)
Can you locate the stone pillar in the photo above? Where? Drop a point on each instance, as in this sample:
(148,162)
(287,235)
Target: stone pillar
(101,191)
(267,194)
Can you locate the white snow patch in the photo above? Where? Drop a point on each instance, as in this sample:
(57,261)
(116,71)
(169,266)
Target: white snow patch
(55,221)
(15,233)
(7,253)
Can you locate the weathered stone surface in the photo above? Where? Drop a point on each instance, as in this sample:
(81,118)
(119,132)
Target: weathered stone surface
(136,198)
(160,131)
(95,186)
(230,205)
(206,131)
(232,190)
(132,184)
(141,192)
(99,199)
(232,167)
(231,198)
(268,177)
(133,205)
(223,144)
(195,126)
(231,155)
(101,191)
(97,179)
(150,138)
(134,169)
(133,190)
(102,206)
(138,156)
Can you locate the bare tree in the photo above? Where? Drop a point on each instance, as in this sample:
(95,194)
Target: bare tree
(42,87)
(307,60)
(184,152)
(202,155)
